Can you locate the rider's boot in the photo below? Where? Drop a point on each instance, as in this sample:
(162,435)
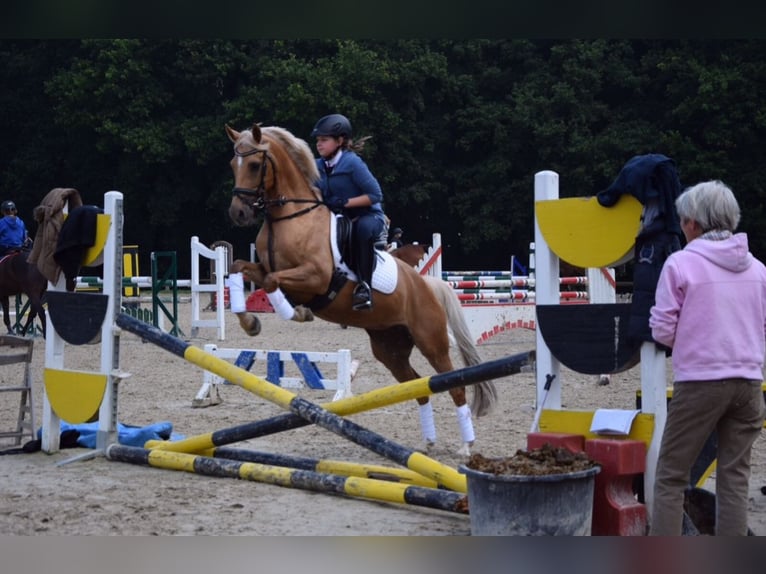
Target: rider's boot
(365,264)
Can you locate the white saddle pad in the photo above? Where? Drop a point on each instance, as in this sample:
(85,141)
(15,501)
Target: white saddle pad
(386,272)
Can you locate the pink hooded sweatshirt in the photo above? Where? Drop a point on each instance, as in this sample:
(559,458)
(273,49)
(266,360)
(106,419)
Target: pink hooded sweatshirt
(710,308)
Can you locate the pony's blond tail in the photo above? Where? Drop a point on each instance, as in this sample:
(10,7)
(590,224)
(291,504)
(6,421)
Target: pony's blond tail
(484,393)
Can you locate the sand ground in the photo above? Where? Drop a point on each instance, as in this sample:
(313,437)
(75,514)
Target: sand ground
(101,497)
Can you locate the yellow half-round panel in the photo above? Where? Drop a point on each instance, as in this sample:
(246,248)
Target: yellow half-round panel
(94,255)
(75,396)
(584,233)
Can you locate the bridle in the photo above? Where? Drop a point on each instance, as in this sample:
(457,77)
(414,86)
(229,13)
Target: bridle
(256,198)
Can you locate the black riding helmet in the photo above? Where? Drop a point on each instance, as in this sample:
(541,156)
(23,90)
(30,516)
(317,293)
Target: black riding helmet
(334,125)
(8,206)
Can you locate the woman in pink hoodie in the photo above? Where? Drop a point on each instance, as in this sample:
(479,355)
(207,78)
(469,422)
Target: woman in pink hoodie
(710,310)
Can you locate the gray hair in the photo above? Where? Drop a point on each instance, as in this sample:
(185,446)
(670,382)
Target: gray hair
(711,204)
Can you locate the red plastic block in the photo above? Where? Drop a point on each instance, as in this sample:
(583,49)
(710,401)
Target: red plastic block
(258,302)
(573,442)
(616,511)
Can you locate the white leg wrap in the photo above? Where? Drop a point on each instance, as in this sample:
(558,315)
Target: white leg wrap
(236,286)
(427,422)
(466,425)
(281,305)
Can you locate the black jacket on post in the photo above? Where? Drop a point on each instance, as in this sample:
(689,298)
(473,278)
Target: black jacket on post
(653,180)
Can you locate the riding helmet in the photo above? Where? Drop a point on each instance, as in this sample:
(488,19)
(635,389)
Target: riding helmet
(396,230)
(8,206)
(334,125)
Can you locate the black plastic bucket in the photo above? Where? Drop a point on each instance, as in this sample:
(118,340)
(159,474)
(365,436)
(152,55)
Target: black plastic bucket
(530,505)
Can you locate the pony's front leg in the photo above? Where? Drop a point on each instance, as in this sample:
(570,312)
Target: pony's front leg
(284,308)
(241,270)
(256,273)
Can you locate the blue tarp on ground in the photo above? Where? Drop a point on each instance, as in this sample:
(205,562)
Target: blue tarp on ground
(127,435)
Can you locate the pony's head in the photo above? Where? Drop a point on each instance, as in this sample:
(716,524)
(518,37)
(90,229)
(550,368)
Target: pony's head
(271,168)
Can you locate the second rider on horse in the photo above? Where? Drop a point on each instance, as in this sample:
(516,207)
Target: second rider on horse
(13,232)
(348,187)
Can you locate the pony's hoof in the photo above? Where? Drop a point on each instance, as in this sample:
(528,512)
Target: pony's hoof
(250,324)
(603,380)
(303,314)
(254,326)
(464,450)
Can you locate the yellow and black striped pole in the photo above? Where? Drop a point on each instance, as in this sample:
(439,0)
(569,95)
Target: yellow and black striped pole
(329,466)
(444,475)
(398,392)
(353,486)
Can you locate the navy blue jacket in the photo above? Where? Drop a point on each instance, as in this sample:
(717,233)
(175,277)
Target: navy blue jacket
(350,177)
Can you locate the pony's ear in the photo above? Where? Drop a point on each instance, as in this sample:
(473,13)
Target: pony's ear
(256,129)
(232,133)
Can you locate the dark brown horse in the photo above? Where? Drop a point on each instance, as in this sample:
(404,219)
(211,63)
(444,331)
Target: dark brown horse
(18,277)
(275,175)
(411,253)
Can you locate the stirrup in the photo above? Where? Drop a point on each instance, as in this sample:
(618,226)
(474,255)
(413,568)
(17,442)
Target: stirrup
(362,305)
(361,299)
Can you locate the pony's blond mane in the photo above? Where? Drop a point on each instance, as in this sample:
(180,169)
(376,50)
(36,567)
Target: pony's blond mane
(298,150)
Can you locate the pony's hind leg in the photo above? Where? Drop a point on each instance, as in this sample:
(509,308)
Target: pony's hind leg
(432,340)
(464,421)
(393,347)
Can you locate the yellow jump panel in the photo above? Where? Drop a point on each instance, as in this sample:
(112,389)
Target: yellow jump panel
(93,256)
(578,422)
(585,234)
(75,396)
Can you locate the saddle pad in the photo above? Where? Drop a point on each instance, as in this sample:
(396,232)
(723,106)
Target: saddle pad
(386,272)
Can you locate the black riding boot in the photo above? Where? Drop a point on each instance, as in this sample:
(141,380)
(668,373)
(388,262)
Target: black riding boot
(365,262)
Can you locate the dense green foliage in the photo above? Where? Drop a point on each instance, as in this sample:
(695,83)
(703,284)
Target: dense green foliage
(459,127)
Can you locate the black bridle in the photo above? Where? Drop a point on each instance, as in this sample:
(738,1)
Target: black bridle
(256,198)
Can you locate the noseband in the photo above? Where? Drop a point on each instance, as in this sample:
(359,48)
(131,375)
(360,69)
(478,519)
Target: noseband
(256,198)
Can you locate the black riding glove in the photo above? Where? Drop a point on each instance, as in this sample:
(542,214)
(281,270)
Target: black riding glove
(336,204)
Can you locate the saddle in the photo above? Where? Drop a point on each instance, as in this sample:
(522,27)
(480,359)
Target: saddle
(342,248)
(343,229)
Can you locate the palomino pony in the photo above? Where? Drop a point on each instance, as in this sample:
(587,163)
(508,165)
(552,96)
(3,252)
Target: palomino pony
(17,276)
(275,174)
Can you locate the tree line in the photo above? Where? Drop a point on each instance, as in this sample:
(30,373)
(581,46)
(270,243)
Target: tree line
(459,127)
